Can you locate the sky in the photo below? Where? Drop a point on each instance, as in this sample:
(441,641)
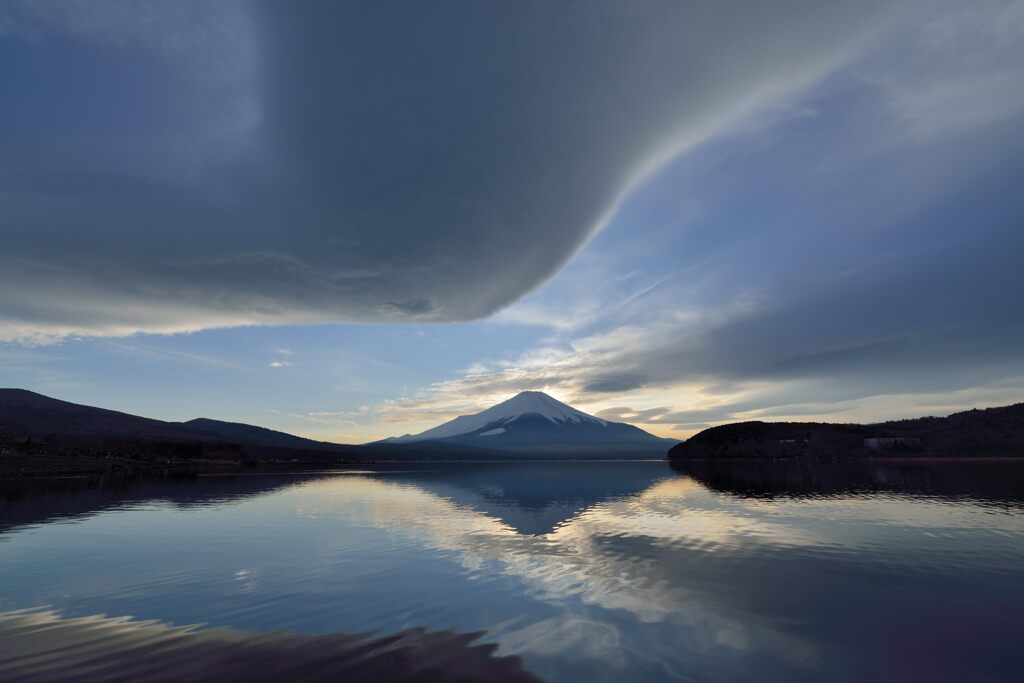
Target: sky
(356,220)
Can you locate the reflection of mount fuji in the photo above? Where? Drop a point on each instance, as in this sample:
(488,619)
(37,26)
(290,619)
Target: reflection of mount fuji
(537,498)
(532,499)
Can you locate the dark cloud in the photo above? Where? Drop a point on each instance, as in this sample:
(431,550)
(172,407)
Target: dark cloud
(178,166)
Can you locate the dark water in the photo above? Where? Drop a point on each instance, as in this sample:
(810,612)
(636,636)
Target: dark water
(559,572)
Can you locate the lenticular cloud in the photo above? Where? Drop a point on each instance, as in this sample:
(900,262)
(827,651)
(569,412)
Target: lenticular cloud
(178,167)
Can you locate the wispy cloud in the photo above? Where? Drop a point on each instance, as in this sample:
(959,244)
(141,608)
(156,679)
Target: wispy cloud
(978,48)
(144,347)
(684,370)
(283,359)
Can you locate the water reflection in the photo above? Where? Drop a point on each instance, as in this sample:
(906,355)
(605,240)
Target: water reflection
(533,500)
(611,571)
(41,646)
(27,501)
(997,481)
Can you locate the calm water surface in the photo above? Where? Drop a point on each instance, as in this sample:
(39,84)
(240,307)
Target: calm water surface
(585,571)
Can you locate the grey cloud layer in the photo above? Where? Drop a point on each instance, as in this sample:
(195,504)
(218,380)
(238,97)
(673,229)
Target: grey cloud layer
(305,162)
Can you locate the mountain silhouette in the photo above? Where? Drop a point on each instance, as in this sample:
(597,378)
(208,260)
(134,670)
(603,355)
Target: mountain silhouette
(992,432)
(43,434)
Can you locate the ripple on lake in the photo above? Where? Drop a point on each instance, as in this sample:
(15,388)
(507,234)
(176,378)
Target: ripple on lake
(615,571)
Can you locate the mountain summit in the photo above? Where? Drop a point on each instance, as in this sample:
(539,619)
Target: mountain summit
(534,422)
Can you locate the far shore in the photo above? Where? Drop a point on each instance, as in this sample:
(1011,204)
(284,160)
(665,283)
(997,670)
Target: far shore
(58,466)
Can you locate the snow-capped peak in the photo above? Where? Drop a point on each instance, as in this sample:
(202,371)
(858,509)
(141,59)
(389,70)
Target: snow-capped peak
(525,403)
(539,403)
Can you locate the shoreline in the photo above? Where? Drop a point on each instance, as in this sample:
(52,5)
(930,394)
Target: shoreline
(36,466)
(57,466)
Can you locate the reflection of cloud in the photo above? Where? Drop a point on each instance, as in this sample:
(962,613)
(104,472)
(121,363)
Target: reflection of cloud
(566,634)
(687,566)
(248,579)
(576,567)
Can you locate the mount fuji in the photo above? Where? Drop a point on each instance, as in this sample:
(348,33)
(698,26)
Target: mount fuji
(534,423)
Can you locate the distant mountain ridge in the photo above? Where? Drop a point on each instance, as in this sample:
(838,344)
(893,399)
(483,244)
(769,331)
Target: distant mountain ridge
(239,431)
(31,414)
(43,434)
(39,434)
(991,432)
(534,422)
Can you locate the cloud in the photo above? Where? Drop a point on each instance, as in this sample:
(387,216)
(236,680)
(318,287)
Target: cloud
(978,48)
(878,280)
(175,167)
(674,382)
(799,319)
(283,359)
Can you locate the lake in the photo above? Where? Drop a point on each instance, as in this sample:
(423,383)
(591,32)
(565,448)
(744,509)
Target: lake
(560,572)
